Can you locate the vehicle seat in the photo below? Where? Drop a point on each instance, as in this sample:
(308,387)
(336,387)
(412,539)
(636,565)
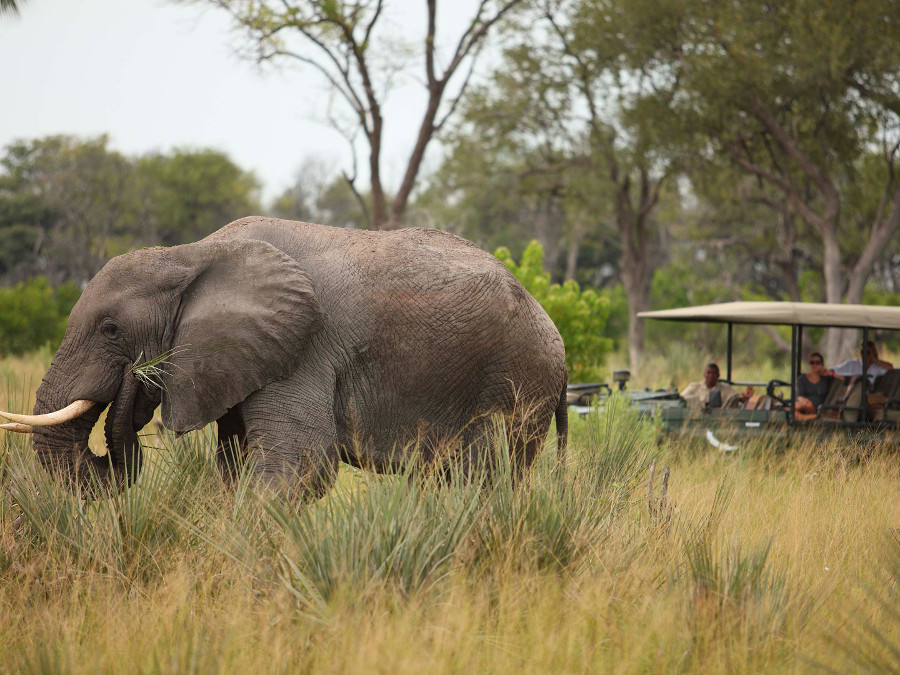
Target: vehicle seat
(832,397)
(763,402)
(888,385)
(843,402)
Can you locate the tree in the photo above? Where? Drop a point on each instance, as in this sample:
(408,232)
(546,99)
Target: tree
(579,315)
(24,219)
(32,314)
(795,94)
(298,202)
(10,6)
(68,205)
(350,46)
(507,177)
(313,200)
(768,246)
(81,196)
(564,125)
(189,194)
(632,140)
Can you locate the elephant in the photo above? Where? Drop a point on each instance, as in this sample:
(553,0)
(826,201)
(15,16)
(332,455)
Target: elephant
(308,345)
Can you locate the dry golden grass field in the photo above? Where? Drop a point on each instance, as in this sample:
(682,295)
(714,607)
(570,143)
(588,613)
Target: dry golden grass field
(771,559)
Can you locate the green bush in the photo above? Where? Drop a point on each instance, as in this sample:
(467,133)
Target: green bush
(33,314)
(580,315)
(617,323)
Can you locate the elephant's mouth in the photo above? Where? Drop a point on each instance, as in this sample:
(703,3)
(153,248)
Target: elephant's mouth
(63,447)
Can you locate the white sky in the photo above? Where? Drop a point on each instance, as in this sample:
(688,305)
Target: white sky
(154,76)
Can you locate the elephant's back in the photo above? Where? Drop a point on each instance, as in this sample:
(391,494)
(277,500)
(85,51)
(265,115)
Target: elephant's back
(427,299)
(443,281)
(420,261)
(371,250)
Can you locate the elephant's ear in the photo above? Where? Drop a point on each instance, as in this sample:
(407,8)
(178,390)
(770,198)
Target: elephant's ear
(245,315)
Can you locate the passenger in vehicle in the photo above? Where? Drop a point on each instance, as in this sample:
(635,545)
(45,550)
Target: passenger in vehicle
(812,388)
(710,393)
(876,367)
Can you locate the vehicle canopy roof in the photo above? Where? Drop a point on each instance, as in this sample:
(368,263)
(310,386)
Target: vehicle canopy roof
(786,313)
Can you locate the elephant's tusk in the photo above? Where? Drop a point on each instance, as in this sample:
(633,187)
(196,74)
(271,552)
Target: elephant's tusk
(70,412)
(18,428)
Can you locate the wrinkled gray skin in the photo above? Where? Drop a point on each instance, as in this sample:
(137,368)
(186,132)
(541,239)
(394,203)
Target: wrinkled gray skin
(308,345)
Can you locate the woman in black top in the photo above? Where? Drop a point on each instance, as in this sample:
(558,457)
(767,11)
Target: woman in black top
(812,387)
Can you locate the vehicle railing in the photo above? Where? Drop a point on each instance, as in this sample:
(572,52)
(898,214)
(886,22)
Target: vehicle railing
(589,386)
(748,383)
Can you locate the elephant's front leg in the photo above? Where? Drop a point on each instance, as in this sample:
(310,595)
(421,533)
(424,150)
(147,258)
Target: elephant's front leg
(290,433)
(232,440)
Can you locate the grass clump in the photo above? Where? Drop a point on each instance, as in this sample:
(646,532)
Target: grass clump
(868,642)
(394,534)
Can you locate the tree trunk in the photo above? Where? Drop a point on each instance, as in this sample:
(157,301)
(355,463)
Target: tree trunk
(572,255)
(547,231)
(786,236)
(635,266)
(835,339)
(426,133)
(637,291)
(379,201)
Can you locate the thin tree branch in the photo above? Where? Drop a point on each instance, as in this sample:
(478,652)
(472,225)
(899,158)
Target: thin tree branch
(472,37)
(781,183)
(792,149)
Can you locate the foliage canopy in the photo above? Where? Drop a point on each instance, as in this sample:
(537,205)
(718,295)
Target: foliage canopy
(33,314)
(579,315)
(67,204)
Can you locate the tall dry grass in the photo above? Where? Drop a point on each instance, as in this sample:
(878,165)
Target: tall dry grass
(770,559)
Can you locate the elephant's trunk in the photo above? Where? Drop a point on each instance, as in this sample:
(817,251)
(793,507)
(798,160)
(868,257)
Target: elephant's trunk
(122,441)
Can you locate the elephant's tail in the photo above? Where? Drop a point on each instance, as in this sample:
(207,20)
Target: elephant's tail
(562,428)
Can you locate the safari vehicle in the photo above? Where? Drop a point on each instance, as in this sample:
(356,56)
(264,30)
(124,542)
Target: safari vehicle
(846,409)
(583,398)
(850,407)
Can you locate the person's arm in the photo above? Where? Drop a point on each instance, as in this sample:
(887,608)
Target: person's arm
(692,395)
(729,392)
(846,369)
(691,391)
(884,364)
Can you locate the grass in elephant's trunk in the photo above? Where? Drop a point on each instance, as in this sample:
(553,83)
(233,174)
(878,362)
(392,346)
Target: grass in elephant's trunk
(758,562)
(150,372)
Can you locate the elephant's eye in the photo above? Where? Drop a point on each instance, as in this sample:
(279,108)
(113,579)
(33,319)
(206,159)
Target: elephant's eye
(109,329)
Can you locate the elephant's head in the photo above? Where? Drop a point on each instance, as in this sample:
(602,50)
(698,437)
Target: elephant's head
(229,316)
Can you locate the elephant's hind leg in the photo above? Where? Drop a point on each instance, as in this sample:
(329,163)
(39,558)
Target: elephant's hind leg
(517,427)
(525,441)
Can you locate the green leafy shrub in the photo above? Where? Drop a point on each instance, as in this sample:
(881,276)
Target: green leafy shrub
(580,315)
(617,323)
(33,314)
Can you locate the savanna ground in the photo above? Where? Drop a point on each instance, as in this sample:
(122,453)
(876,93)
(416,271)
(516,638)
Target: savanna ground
(770,559)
